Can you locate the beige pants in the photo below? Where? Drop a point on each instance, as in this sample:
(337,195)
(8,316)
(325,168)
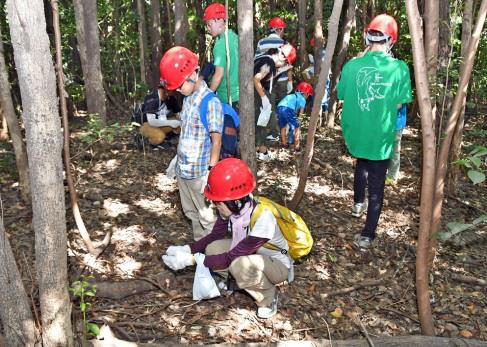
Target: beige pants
(195,208)
(257,274)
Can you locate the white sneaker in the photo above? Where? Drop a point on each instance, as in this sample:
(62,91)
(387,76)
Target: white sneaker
(362,242)
(359,208)
(266,312)
(265,156)
(272,138)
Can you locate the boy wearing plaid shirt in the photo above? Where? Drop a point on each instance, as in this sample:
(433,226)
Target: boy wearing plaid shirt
(197,150)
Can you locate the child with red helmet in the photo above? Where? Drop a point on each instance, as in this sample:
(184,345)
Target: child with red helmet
(255,268)
(288,110)
(372,88)
(197,150)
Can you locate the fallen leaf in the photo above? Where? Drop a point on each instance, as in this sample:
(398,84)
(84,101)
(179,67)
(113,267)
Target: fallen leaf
(337,313)
(465,333)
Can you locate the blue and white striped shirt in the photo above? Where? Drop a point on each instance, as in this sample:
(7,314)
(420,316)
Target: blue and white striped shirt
(269,42)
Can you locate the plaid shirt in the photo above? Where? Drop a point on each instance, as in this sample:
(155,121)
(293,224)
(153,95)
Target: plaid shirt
(194,146)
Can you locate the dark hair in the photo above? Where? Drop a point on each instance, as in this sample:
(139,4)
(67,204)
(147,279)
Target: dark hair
(235,206)
(373,32)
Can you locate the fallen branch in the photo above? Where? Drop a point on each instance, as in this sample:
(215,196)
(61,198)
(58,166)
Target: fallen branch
(469,280)
(356,320)
(352,288)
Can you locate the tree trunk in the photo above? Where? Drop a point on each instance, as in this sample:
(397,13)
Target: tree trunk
(181,23)
(318,10)
(89,49)
(44,145)
(4,126)
(142,40)
(303,57)
(431,35)
(465,74)
(457,137)
(339,61)
(15,314)
(201,27)
(169,24)
(9,115)
(320,91)
(428,176)
(246,74)
(156,42)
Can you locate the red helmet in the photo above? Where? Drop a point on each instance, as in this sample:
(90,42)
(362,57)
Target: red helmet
(386,25)
(176,65)
(305,88)
(289,52)
(230,179)
(214,11)
(277,23)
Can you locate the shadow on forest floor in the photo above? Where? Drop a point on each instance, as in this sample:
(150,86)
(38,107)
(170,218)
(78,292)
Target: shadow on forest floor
(125,191)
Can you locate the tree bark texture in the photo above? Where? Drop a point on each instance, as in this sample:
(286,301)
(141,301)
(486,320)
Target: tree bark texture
(303,57)
(156,42)
(201,28)
(318,32)
(457,137)
(7,106)
(44,145)
(142,40)
(4,126)
(340,60)
(15,314)
(431,35)
(246,74)
(89,49)
(167,5)
(428,176)
(181,25)
(320,91)
(465,74)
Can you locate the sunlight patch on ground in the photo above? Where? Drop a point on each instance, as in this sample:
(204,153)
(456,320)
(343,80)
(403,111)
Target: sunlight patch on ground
(132,237)
(108,165)
(115,207)
(155,206)
(164,183)
(126,266)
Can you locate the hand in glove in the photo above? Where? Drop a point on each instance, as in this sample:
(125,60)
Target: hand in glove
(173,250)
(289,87)
(205,181)
(178,261)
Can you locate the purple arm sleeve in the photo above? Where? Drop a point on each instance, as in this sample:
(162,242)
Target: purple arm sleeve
(247,246)
(217,233)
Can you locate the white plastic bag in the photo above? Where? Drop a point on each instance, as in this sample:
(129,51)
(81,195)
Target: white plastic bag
(171,169)
(204,286)
(264,116)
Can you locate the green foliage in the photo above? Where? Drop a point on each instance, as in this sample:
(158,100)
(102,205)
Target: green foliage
(474,163)
(94,131)
(455,228)
(83,290)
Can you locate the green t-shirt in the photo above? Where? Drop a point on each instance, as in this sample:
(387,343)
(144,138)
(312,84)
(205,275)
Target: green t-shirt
(220,59)
(372,87)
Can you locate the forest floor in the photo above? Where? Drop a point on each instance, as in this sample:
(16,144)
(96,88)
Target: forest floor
(126,192)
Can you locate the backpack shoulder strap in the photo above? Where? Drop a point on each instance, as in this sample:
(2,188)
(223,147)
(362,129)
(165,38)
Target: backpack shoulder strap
(230,111)
(204,109)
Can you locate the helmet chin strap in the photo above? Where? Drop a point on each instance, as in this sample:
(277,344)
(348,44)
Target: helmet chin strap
(369,40)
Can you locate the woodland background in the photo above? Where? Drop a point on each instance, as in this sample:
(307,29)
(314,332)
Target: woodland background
(108,215)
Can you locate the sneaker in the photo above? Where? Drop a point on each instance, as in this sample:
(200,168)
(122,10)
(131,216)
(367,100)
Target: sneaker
(272,138)
(359,208)
(266,312)
(265,156)
(363,242)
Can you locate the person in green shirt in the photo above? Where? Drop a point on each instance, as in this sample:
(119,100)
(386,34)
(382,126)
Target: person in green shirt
(214,18)
(372,88)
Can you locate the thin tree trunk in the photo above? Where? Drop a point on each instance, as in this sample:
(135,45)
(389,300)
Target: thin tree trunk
(428,176)
(431,36)
(9,115)
(142,40)
(201,28)
(246,74)
(465,74)
(169,24)
(89,49)
(303,57)
(15,313)
(181,23)
(320,91)
(156,42)
(44,145)
(457,137)
(339,61)
(318,32)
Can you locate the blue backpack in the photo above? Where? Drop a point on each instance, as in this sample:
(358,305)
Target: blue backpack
(230,131)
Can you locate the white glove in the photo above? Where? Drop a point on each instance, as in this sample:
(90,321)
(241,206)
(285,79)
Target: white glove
(173,250)
(289,87)
(171,169)
(205,181)
(178,261)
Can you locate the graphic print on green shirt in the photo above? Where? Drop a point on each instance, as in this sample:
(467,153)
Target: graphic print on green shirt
(220,59)
(372,87)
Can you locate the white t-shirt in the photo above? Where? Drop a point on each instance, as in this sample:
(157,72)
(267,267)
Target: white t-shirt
(266,227)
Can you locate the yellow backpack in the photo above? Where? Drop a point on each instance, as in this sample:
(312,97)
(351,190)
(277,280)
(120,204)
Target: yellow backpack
(292,227)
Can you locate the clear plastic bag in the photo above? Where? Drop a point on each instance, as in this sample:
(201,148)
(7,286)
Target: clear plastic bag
(204,286)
